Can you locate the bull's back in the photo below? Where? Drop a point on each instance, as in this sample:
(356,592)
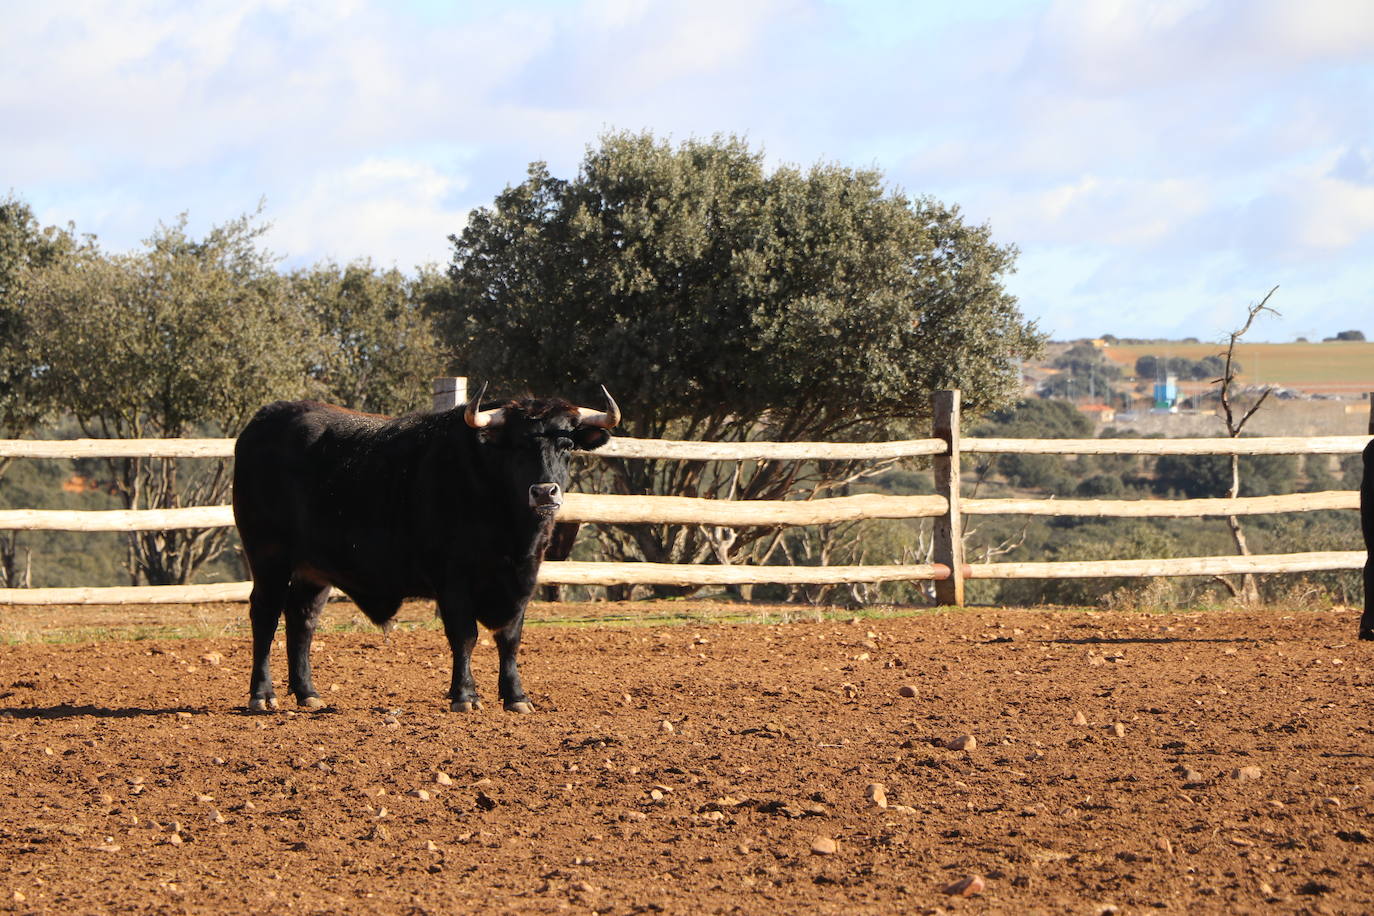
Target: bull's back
(286,454)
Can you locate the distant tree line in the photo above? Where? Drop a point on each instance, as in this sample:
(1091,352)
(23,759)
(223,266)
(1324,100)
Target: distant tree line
(1208,368)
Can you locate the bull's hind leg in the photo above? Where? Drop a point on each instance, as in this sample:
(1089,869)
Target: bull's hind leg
(1367,523)
(270,584)
(304,601)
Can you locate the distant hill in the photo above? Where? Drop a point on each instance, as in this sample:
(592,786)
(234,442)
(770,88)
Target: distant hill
(1335,367)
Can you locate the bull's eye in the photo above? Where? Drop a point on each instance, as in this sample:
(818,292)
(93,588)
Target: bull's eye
(562,439)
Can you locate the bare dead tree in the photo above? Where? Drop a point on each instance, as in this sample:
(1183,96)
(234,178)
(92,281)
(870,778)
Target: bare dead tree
(12,574)
(1248,592)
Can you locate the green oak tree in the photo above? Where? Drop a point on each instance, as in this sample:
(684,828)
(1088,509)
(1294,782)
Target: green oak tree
(720,299)
(378,343)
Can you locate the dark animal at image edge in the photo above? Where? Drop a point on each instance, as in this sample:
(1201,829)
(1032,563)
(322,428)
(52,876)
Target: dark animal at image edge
(457,506)
(1367,523)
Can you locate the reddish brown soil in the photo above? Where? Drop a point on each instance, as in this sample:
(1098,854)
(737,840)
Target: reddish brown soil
(690,768)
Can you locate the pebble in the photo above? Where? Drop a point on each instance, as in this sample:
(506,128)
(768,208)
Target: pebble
(908,690)
(1079,718)
(212,658)
(961,743)
(1244,773)
(421,794)
(876,793)
(965,887)
(824,846)
(443,778)
(1117,729)
(666,727)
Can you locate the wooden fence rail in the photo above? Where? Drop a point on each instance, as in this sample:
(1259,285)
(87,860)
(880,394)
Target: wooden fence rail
(947,507)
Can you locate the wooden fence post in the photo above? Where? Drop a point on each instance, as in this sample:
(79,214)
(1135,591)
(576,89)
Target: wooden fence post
(450,393)
(949,528)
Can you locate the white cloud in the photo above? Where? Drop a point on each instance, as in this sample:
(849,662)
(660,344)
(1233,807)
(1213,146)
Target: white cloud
(396,211)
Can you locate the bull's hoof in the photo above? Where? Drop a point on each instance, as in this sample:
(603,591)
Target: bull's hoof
(465,705)
(1366,632)
(521,706)
(310,702)
(262,704)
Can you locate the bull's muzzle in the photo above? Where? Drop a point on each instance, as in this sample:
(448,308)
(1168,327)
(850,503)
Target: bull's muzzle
(546,497)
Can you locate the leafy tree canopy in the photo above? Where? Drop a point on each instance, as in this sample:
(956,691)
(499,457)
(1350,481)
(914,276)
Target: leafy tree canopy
(701,287)
(25,247)
(377,344)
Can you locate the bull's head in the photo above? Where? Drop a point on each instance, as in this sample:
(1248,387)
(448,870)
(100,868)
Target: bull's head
(532,439)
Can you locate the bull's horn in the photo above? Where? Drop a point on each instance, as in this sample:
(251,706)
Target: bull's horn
(588,417)
(483,419)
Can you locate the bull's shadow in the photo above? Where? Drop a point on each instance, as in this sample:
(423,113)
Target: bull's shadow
(69,711)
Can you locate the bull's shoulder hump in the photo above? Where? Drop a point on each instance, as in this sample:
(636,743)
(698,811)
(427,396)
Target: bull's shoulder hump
(315,413)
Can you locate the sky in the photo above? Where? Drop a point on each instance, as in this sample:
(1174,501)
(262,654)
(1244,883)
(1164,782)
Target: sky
(1159,165)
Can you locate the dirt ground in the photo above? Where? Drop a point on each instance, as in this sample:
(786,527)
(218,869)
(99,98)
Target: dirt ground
(1221,763)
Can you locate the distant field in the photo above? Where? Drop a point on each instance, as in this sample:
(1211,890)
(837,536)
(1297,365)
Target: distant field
(1344,367)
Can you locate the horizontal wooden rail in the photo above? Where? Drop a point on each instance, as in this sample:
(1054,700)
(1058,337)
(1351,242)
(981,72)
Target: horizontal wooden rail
(679,510)
(116,519)
(627,447)
(1175,566)
(1274,445)
(1166,508)
(130,594)
(116,448)
(578,573)
(570,572)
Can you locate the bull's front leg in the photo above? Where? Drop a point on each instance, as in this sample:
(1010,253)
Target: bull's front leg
(508,646)
(461,629)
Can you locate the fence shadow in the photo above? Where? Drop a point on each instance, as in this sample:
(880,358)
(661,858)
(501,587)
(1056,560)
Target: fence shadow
(1144,640)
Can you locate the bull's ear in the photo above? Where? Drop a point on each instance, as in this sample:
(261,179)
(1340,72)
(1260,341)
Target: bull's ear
(590,437)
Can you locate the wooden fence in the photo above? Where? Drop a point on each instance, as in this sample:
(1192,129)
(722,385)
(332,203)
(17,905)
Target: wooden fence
(949,570)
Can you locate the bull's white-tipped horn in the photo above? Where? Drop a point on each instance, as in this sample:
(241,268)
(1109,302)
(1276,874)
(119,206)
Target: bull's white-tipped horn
(483,419)
(604,419)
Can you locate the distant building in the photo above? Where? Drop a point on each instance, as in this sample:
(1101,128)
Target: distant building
(1104,413)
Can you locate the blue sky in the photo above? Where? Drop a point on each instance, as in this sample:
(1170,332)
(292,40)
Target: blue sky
(1160,165)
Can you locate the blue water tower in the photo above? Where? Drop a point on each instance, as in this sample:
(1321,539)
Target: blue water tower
(1166,394)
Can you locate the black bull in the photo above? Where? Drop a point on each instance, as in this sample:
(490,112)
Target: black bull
(456,506)
(1367,523)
